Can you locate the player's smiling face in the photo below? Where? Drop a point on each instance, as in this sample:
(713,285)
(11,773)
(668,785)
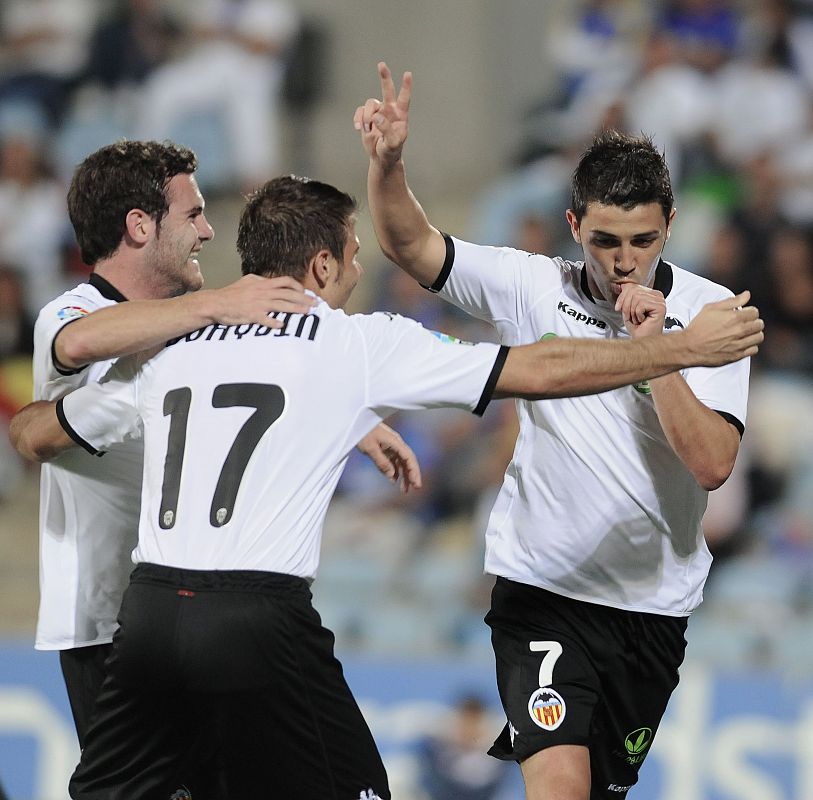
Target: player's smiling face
(182,233)
(620,245)
(349,271)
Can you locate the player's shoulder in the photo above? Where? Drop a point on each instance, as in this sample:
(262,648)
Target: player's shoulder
(72,304)
(692,288)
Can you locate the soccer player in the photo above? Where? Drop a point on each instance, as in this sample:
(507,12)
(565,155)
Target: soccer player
(140,222)
(246,431)
(595,537)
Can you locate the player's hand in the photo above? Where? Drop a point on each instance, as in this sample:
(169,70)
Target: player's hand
(725,331)
(252,298)
(383,124)
(393,457)
(644,309)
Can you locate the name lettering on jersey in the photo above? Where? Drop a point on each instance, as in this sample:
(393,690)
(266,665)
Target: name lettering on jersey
(305,327)
(580,316)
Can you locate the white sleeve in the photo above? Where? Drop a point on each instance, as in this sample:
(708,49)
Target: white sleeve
(723,389)
(496,284)
(412,368)
(63,311)
(100,414)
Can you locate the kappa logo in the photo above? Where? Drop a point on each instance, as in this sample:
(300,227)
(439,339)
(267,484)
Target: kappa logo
(547,708)
(614,787)
(580,316)
(368,794)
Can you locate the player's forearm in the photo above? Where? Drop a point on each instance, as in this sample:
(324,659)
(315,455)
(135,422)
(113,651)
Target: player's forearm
(564,367)
(36,433)
(130,328)
(401,226)
(703,440)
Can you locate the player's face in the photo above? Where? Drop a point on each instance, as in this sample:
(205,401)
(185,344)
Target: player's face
(620,246)
(183,230)
(349,271)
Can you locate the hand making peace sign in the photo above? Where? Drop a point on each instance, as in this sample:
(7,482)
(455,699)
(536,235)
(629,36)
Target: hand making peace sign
(383,123)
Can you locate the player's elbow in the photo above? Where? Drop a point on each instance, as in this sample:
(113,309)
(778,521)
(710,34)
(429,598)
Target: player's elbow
(73,349)
(25,443)
(713,475)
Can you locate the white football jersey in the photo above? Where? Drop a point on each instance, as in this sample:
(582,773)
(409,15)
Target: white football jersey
(247,429)
(595,504)
(88,507)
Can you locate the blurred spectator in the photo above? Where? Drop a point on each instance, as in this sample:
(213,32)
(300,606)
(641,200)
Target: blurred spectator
(706,30)
(453,763)
(43,49)
(33,218)
(129,43)
(230,76)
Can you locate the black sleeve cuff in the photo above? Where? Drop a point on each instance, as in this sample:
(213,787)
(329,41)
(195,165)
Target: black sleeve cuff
(63,421)
(61,368)
(440,281)
(733,420)
(491,383)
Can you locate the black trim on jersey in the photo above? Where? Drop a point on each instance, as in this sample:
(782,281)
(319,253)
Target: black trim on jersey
(63,421)
(491,383)
(58,365)
(441,279)
(732,419)
(663,280)
(105,288)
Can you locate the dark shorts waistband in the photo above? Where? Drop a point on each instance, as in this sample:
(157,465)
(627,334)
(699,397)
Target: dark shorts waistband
(217,580)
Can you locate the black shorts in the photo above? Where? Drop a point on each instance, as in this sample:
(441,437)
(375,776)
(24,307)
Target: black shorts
(239,656)
(83,671)
(571,672)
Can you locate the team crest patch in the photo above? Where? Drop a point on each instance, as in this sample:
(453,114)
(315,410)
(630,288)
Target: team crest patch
(547,708)
(72,312)
(447,339)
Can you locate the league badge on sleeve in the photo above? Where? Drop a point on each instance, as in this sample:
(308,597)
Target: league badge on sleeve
(447,339)
(72,312)
(547,708)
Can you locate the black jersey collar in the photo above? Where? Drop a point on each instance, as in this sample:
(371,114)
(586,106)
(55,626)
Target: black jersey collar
(105,288)
(663,280)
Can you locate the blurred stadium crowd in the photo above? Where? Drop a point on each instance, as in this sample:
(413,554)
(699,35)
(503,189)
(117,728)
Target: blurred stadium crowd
(724,86)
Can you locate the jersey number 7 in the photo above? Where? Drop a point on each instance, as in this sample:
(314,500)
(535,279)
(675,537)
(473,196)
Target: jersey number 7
(269,402)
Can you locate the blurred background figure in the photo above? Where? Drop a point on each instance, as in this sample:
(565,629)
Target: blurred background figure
(228,73)
(452,762)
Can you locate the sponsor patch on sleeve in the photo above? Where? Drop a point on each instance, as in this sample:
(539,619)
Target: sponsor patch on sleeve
(72,312)
(447,339)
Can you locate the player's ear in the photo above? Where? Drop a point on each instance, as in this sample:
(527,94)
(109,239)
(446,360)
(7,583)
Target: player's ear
(319,268)
(574,225)
(139,225)
(669,222)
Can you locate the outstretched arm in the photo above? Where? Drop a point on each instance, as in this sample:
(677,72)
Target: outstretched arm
(721,333)
(403,231)
(142,324)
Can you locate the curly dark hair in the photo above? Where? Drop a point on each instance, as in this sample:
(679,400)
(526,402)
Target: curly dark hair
(621,170)
(114,180)
(287,221)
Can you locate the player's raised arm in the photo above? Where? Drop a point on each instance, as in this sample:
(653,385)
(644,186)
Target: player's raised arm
(142,324)
(403,230)
(721,333)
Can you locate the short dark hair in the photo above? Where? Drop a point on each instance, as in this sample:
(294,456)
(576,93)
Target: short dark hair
(287,221)
(621,170)
(115,179)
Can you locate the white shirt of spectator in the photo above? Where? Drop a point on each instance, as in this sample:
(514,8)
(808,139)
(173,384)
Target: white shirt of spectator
(88,506)
(247,429)
(595,504)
